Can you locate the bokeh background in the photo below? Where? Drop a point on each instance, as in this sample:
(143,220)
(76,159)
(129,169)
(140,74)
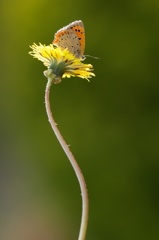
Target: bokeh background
(111,123)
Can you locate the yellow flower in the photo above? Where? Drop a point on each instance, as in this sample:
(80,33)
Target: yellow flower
(60,63)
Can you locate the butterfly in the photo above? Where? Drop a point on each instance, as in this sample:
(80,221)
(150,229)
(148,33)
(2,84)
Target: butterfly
(72,37)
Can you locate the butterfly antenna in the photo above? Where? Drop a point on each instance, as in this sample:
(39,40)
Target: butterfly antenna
(92,56)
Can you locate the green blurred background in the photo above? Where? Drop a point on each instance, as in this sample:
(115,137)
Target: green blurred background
(110,123)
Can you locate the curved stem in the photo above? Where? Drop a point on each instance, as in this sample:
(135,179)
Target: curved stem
(84,218)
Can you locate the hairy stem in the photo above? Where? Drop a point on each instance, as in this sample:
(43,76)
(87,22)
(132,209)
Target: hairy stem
(84,218)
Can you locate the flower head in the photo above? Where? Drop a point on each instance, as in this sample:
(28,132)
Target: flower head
(60,63)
